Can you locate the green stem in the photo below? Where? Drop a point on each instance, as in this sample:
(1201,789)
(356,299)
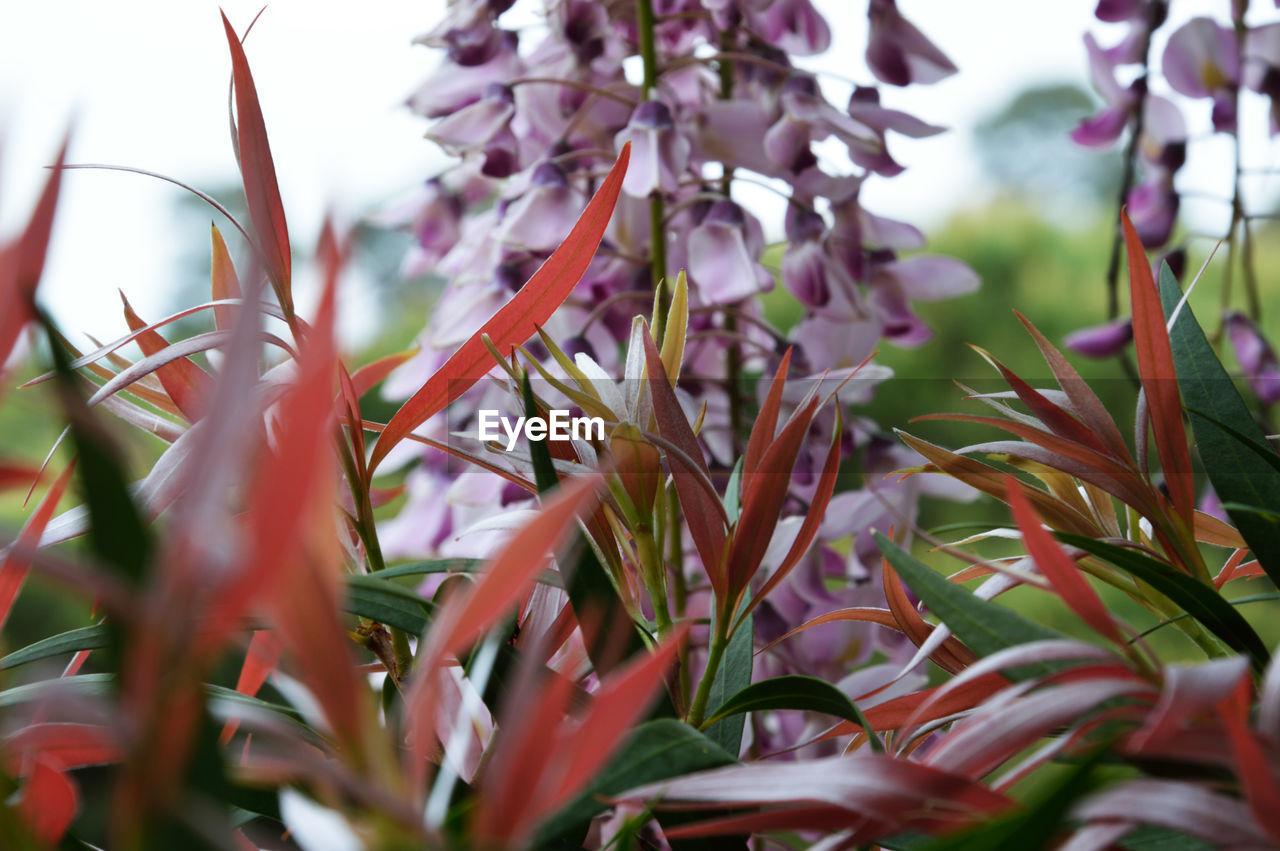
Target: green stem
(715,653)
(657,233)
(653,570)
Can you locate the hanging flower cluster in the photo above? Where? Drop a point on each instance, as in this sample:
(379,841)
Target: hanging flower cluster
(708,95)
(1216,61)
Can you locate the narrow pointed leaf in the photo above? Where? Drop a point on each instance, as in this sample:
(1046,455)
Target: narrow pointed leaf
(792,691)
(984,626)
(656,750)
(1235,459)
(1066,578)
(1159,376)
(224,284)
(766,424)
(705,520)
(261,191)
(85,638)
(1199,600)
(516,321)
(187,384)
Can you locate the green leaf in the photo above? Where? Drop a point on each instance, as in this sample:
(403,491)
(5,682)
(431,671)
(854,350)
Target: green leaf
(1200,601)
(793,691)
(371,596)
(733,676)
(656,750)
(984,626)
(544,471)
(1228,439)
(85,638)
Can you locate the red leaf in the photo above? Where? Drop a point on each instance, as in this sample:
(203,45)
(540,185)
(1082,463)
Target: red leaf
(1159,378)
(186,383)
(259,661)
(1088,407)
(1059,568)
(223,282)
(49,802)
(1252,765)
(762,501)
(623,697)
(22,262)
(766,424)
(516,321)
(873,785)
(468,614)
(259,172)
(702,509)
(13,569)
(366,377)
(812,520)
(1053,417)
(69,745)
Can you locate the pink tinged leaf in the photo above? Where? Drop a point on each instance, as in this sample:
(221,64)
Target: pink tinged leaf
(1189,691)
(763,499)
(1061,571)
(703,510)
(1159,378)
(14,566)
(516,321)
(70,745)
(812,519)
(1253,766)
(1182,806)
(1012,657)
(766,425)
(985,741)
(872,785)
(258,170)
(185,383)
(48,801)
(22,262)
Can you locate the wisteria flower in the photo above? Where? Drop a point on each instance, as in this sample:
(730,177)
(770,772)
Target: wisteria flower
(1200,61)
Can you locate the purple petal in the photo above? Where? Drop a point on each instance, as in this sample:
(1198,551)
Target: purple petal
(899,322)
(1114,11)
(540,218)
(1153,207)
(786,142)
(927,277)
(1256,358)
(730,132)
(474,125)
(795,27)
(1101,341)
(1200,58)
(898,53)
(720,265)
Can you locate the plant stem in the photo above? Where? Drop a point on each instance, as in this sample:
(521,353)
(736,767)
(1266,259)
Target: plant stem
(715,653)
(657,231)
(1238,218)
(654,570)
(1154,19)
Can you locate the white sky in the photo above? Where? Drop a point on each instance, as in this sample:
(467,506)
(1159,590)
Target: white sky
(145,83)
